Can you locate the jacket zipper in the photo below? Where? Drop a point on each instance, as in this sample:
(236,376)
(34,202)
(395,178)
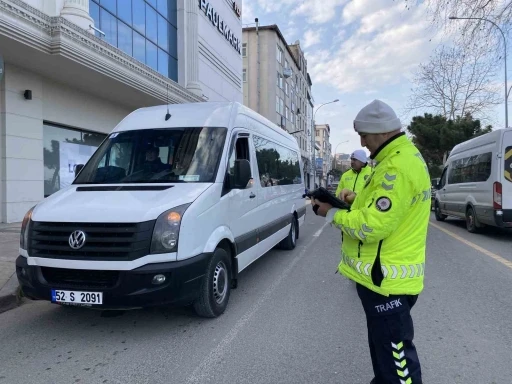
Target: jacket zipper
(355,182)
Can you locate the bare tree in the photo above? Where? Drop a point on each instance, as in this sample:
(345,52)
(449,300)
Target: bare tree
(455,82)
(470,31)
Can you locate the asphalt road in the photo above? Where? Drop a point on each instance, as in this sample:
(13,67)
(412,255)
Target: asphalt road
(292,320)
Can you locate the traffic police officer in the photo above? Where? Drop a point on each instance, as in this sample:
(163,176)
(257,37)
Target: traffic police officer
(355,178)
(384,244)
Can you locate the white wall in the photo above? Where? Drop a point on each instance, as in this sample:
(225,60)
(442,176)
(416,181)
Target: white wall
(21,132)
(220,65)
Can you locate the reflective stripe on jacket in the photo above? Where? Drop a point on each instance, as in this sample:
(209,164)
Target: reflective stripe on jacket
(385,231)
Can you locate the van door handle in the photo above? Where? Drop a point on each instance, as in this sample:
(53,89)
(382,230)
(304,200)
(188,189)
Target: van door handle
(252,195)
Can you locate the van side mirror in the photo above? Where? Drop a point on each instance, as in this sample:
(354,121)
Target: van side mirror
(78,168)
(242,174)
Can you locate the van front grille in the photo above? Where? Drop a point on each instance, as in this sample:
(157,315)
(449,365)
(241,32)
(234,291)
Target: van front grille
(79,278)
(103,241)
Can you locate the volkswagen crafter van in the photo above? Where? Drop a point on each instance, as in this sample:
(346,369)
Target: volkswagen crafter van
(167,210)
(476,183)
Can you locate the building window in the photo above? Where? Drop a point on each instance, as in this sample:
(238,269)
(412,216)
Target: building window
(286,64)
(279,54)
(287,115)
(63,149)
(286,87)
(244,75)
(292,118)
(281,107)
(143,29)
(244,50)
(277,104)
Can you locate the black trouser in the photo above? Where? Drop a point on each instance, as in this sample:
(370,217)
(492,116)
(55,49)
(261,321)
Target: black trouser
(390,335)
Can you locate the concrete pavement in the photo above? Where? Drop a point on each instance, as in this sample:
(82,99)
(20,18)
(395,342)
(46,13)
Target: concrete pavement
(292,320)
(9,247)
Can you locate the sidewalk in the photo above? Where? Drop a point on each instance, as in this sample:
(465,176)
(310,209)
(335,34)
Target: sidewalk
(9,251)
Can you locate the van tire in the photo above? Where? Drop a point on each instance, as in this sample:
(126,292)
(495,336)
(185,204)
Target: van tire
(472,224)
(216,286)
(290,241)
(438,214)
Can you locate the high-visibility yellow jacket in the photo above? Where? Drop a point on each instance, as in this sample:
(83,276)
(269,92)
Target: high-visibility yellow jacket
(353,180)
(385,230)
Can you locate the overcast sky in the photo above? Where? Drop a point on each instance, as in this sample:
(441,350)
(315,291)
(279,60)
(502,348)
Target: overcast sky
(357,51)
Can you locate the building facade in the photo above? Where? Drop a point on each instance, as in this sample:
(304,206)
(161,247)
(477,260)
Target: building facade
(73,69)
(324,155)
(276,84)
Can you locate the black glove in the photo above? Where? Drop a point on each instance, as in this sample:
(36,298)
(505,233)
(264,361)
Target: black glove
(323,195)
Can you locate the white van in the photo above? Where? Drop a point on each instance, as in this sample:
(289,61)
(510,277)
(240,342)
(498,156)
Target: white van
(476,183)
(169,209)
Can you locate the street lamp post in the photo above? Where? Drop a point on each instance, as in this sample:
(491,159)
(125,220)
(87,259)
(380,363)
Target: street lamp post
(313,134)
(505,46)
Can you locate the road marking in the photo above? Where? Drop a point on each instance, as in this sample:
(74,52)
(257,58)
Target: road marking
(319,232)
(494,256)
(205,369)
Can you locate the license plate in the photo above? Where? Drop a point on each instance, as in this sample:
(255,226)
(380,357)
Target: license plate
(76,297)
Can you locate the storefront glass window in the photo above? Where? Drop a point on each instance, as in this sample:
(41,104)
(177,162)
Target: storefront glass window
(63,149)
(156,24)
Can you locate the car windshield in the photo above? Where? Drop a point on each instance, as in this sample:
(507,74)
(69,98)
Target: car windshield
(156,156)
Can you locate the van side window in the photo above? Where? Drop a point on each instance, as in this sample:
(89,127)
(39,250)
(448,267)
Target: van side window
(277,165)
(239,152)
(471,169)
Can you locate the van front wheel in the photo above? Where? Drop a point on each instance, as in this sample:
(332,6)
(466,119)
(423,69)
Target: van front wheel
(437,211)
(216,287)
(290,241)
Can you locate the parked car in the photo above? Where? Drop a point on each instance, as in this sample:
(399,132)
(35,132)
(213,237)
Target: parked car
(433,189)
(476,183)
(172,206)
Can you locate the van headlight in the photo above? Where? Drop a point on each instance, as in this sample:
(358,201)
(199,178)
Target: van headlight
(25,228)
(167,230)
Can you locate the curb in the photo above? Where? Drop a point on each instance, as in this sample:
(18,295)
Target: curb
(9,296)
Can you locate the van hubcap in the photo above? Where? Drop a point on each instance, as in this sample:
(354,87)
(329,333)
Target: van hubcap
(220,282)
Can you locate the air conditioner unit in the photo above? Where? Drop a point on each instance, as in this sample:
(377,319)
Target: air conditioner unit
(287,73)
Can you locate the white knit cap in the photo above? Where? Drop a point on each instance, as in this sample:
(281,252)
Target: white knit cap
(360,155)
(377,117)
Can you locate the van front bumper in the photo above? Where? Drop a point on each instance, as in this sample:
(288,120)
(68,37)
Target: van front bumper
(504,219)
(120,289)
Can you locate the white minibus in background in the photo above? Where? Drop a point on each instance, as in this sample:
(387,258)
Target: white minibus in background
(171,207)
(476,183)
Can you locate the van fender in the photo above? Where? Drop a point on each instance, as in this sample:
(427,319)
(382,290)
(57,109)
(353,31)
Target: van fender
(217,236)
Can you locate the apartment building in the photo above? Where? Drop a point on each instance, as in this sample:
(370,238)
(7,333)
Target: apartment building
(324,155)
(276,84)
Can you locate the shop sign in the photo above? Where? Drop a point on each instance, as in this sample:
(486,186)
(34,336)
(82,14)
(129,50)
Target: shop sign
(220,24)
(237,9)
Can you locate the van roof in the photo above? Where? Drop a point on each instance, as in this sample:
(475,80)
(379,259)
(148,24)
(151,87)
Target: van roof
(479,141)
(205,114)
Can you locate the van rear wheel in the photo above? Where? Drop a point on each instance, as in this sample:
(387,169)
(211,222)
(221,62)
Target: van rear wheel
(216,287)
(472,224)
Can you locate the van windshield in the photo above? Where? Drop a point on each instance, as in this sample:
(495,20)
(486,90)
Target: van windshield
(156,156)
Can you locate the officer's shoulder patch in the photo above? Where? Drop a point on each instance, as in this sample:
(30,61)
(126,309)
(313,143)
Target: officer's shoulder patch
(383,204)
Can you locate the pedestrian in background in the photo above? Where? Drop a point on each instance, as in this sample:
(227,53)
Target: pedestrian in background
(385,239)
(355,178)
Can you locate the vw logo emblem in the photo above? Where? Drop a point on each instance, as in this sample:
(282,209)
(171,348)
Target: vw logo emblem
(77,239)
